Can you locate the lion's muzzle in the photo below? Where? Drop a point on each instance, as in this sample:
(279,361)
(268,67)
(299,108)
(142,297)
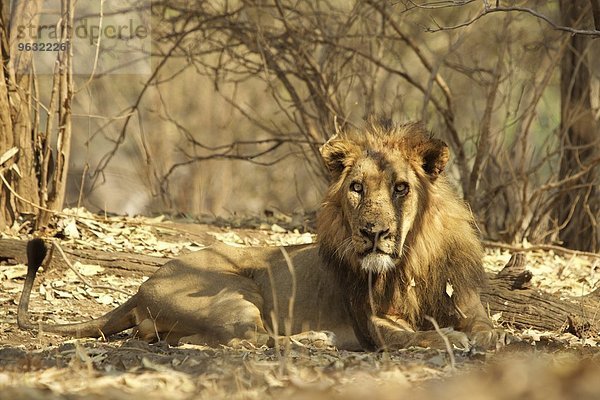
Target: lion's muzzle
(374,236)
(377,248)
(377,263)
(375,239)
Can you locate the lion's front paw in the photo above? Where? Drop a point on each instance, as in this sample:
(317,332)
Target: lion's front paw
(458,339)
(442,339)
(493,339)
(320,339)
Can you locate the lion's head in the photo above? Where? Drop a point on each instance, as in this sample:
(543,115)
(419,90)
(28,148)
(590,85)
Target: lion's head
(381,181)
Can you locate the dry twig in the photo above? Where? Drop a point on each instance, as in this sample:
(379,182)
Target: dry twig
(82,278)
(538,247)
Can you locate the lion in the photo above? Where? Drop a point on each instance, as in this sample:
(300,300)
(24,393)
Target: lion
(397,257)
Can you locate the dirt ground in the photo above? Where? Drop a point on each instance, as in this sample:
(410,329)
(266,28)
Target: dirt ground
(544,365)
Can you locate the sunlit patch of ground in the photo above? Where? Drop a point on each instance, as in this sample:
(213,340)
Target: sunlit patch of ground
(544,365)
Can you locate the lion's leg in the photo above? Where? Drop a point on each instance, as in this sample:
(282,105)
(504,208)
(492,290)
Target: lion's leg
(308,338)
(478,325)
(244,325)
(256,336)
(390,332)
(235,319)
(220,307)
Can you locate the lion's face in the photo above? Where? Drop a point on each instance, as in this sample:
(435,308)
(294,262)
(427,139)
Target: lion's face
(380,203)
(380,182)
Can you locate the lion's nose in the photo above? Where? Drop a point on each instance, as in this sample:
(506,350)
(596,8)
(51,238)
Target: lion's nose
(374,235)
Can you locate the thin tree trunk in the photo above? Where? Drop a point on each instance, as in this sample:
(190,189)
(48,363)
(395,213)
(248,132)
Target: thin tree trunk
(63,81)
(27,176)
(578,211)
(16,106)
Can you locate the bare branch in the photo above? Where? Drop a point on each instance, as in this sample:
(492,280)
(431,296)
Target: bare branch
(491,10)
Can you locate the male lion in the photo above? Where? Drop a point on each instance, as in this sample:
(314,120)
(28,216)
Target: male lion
(396,251)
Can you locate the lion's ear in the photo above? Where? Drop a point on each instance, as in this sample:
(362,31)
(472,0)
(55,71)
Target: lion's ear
(435,155)
(338,154)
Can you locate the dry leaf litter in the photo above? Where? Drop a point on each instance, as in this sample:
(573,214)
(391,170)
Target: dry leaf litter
(125,368)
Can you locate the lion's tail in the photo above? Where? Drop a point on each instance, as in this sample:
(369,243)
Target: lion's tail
(117,320)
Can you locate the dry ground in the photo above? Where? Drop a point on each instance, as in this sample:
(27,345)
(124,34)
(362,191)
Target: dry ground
(544,365)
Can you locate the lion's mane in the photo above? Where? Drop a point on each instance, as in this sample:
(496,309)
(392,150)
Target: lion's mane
(441,257)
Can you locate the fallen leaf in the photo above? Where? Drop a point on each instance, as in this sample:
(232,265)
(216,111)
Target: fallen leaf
(106,299)
(88,269)
(70,229)
(14,271)
(496,317)
(278,229)
(62,293)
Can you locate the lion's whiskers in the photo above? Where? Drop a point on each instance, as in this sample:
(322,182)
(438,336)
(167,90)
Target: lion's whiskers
(348,248)
(404,250)
(344,247)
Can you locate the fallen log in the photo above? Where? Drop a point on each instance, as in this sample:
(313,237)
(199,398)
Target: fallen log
(12,251)
(509,293)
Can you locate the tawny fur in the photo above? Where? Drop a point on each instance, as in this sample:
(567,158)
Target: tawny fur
(392,236)
(442,248)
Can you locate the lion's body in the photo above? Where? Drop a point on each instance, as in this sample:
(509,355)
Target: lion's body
(396,248)
(223,293)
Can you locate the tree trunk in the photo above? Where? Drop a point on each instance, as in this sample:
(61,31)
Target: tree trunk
(26,163)
(578,210)
(16,106)
(507,292)
(53,197)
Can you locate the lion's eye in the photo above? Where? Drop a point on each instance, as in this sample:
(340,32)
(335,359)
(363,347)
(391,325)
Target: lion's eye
(356,187)
(401,189)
